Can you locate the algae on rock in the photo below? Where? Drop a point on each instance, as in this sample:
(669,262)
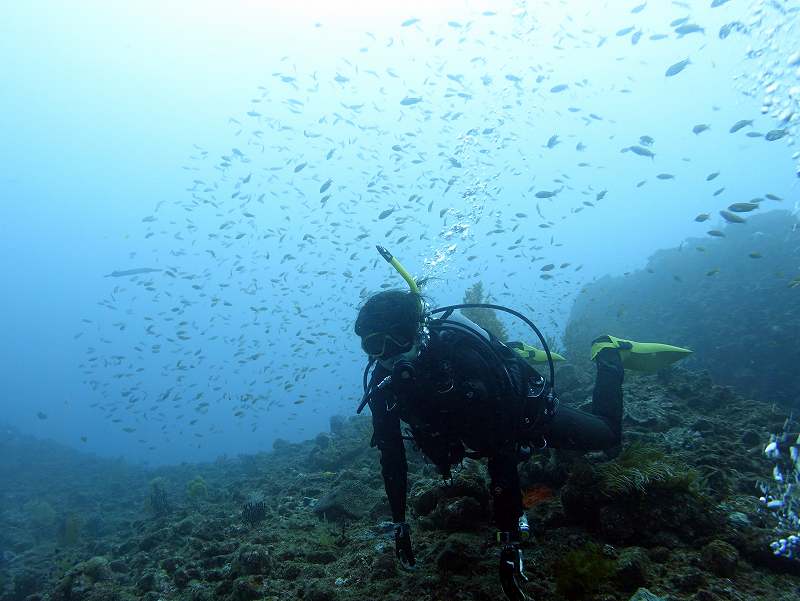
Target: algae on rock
(582,571)
(41,518)
(69,529)
(196,489)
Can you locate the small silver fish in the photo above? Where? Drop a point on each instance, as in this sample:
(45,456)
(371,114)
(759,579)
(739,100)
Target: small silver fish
(640,150)
(688,28)
(775,134)
(743,207)
(127,272)
(673,70)
(739,125)
(732,217)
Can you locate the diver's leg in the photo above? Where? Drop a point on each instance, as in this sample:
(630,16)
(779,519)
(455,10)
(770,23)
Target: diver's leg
(506,493)
(602,428)
(575,430)
(507,498)
(607,394)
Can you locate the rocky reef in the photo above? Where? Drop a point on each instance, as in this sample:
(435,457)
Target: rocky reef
(676,515)
(733,298)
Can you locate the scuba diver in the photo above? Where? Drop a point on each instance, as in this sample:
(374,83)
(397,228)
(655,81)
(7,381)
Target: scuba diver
(464,393)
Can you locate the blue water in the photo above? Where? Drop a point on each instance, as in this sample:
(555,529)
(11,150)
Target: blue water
(140,135)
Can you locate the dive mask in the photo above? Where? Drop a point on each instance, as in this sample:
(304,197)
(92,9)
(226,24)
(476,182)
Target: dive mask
(384,345)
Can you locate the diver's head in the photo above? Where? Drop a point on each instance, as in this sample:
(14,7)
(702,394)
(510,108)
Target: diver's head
(390,325)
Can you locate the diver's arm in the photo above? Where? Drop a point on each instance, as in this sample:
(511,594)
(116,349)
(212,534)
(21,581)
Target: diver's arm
(506,493)
(394,468)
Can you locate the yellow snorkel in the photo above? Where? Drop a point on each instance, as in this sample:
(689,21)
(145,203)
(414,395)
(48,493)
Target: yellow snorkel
(398,266)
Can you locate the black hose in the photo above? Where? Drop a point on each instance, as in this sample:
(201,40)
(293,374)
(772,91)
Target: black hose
(365,398)
(516,314)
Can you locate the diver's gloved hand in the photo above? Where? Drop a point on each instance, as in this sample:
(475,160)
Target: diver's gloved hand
(402,545)
(512,576)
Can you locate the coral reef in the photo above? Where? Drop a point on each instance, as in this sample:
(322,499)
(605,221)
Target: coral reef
(692,296)
(254,513)
(675,515)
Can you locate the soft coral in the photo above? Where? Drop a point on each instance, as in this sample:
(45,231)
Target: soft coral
(535,495)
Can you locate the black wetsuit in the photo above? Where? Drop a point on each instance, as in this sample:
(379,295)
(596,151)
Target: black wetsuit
(469,401)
